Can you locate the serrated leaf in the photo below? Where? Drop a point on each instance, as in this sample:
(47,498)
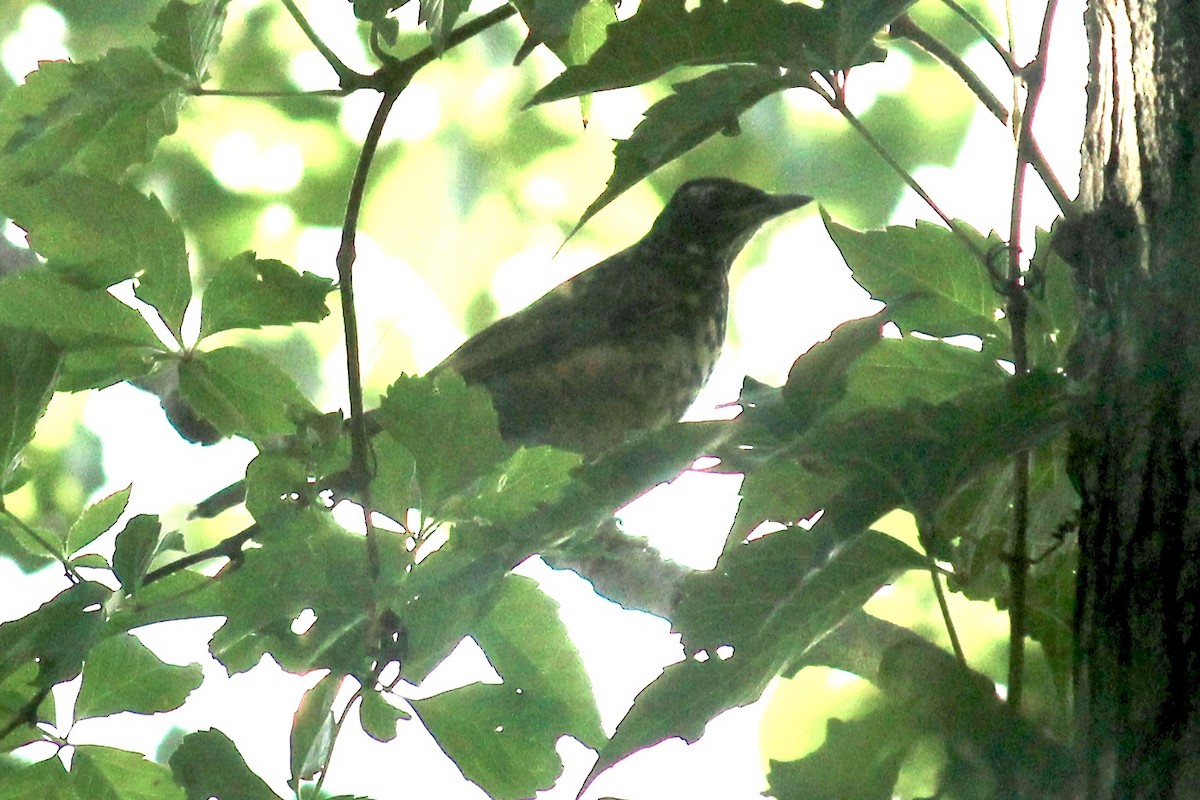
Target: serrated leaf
(248,292)
(27,550)
(313,728)
(242,394)
(135,547)
(18,692)
(207,764)
(189,34)
(530,478)
(100,367)
(859,760)
(261,599)
(930,280)
(502,737)
(122,674)
(439,17)
(819,380)
(58,635)
(378,717)
(448,428)
(97,233)
(96,117)
(551,22)
(811,583)
(699,109)
(898,371)
(37,299)
(96,519)
(29,365)
(105,773)
(45,780)
(1053,309)
(663,35)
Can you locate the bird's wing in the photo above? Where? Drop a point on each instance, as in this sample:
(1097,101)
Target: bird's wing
(557,323)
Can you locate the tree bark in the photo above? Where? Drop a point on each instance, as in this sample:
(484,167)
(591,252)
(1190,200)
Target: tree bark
(1136,450)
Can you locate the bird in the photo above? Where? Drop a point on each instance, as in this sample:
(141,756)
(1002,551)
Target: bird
(624,346)
(627,344)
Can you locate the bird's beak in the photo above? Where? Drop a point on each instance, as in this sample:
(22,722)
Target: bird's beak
(776,204)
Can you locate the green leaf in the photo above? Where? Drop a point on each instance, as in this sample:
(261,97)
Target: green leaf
(378,717)
(29,364)
(21,546)
(313,728)
(207,764)
(448,428)
(17,695)
(859,760)
(1053,310)
(97,117)
(45,780)
(135,548)
(105,773)
(96,233)
(262,598)
(818,380)
(122,674)
(930,280)
(503,736)
(57,636)
(898,371)
(96,519)
(747,620)
(248,292)
(100,367)
(242,394)
(189,33)
(663,35)
(439,17)
(37,299)
(528,479)
(699,109)
(552,22)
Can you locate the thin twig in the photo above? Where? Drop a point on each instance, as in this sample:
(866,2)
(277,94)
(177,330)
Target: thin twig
(344,73)
(230,548)
(906,27)
(1017,311)
(1004,53)
(838,104)
(940,593)
(50,549)
(269,93)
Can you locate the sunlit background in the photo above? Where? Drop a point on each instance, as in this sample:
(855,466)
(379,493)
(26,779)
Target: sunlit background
(469,205)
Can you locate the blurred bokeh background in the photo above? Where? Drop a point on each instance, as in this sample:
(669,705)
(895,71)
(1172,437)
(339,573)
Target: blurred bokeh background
(469,204)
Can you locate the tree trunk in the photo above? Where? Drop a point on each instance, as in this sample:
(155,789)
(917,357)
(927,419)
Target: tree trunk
(1136,453)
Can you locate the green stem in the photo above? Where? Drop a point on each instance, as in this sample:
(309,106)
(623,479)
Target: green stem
(344,73)
(836,102)
(1004,53)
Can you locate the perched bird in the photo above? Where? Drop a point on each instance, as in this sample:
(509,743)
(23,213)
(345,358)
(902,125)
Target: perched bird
(627,344)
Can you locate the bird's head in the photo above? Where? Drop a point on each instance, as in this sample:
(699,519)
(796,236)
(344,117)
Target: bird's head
(718,216)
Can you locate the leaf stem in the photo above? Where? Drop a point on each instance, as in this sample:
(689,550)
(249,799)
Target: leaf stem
(344,73)
(51,550)
(1017,311)
(835,101)
(907,28)
(1002,51)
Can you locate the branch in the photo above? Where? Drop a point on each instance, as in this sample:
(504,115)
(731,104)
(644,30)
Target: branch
(230,548)
(1017,312)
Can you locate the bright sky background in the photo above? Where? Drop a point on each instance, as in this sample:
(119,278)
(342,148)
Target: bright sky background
(687,520)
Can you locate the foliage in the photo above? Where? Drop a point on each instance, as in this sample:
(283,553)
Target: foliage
(146,277)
